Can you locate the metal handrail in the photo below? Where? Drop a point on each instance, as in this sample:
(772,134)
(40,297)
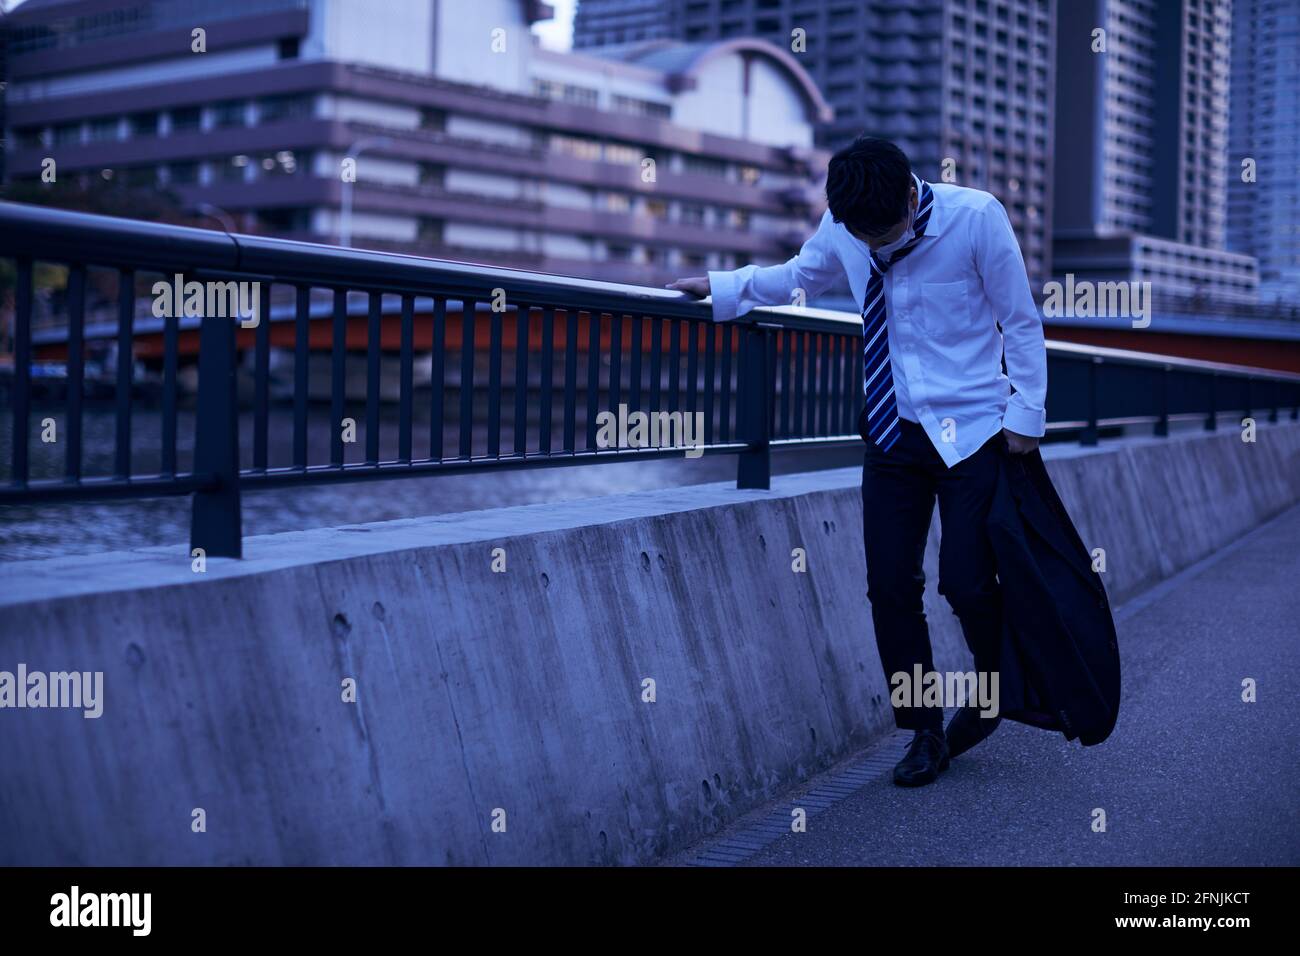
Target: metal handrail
(777,377)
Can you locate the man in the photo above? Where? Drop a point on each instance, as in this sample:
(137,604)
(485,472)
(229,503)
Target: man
(945,299)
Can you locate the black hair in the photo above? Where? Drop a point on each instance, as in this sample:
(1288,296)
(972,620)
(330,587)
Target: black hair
(868,184)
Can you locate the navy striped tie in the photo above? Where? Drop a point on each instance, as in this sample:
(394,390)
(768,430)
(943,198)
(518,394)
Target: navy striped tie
(877,376)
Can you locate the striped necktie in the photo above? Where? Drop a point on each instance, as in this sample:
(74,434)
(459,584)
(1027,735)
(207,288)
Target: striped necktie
(877,376)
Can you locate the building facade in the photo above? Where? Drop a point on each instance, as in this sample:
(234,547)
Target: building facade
(1141,171)
(964,87)
(1264,143)
(467,141)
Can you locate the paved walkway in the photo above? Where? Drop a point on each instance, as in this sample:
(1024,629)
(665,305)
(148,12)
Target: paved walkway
(1190,776)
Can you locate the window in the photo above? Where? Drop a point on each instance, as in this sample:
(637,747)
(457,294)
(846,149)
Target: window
(587,149)
(183,174)
(67,134)
(186,120)
(102,130)
(288,48)
(275,109)
(232,171)
(623,155)
(140,177)
(29,137)
(143,124)
(692,214)
(229,113)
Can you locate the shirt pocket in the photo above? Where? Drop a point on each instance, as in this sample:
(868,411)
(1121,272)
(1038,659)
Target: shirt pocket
(946,312)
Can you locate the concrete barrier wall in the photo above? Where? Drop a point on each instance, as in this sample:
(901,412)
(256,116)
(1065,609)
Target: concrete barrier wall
(515,696)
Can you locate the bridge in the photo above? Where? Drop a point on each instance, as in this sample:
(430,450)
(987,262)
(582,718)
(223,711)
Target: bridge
(620,677)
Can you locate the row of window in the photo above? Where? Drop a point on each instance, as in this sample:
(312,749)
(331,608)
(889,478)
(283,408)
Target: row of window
(174,122)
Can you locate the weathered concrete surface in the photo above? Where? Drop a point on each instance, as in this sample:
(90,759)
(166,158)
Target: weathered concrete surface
(519,691)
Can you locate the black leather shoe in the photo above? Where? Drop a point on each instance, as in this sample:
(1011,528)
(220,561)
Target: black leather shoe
(967,728)
(926,758)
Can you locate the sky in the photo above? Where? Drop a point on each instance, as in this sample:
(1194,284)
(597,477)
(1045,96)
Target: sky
(557,32)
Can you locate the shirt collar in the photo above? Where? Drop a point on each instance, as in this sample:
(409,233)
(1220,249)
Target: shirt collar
(938,219)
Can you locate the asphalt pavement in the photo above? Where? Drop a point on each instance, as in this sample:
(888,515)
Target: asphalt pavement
(1191,776)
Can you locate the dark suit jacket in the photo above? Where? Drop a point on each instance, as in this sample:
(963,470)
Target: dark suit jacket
(1059,666)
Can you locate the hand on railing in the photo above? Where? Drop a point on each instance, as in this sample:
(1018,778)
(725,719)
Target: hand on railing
(694,285)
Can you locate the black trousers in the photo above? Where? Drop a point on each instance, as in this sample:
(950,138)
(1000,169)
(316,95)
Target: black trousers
(899,489)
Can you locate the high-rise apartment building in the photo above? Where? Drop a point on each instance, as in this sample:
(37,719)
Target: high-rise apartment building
(964,87)
(1264,143)
(1141,147)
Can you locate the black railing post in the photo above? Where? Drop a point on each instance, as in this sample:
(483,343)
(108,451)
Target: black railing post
(1212,418)
(1090,436)
(1162,426)
(755,405)
(214,517)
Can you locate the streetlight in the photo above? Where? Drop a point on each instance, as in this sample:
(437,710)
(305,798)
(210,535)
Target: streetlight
(345,218)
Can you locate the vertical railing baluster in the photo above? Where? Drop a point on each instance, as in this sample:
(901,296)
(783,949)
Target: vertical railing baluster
(171,356)
(799,431)
(615,360)
(634,369)
(570,379)
(787,366)
(215,511)
(125,370)
(692,364)
(710,367)
(262,376)
(438,379)
(406,383)
(338,375)
(824,399)
(374,330)
(1212,418)
(1162,425)
(674,364)
(754,469)
(546,371)
(301,365)
(523,317)
(728,340)
(656,363)
(836,426)
(467,348)
(22,372)
(593,375)
(494,384)
(76,370)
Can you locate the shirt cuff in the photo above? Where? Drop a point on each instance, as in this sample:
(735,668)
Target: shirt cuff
(722,286)
(1024,421)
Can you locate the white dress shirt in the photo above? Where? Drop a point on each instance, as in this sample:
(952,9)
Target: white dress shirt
(955,306)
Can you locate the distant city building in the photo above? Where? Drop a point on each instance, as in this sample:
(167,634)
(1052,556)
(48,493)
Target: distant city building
(964,86)
(1264,130)
(608,22)
(476,144)
(1141,151)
